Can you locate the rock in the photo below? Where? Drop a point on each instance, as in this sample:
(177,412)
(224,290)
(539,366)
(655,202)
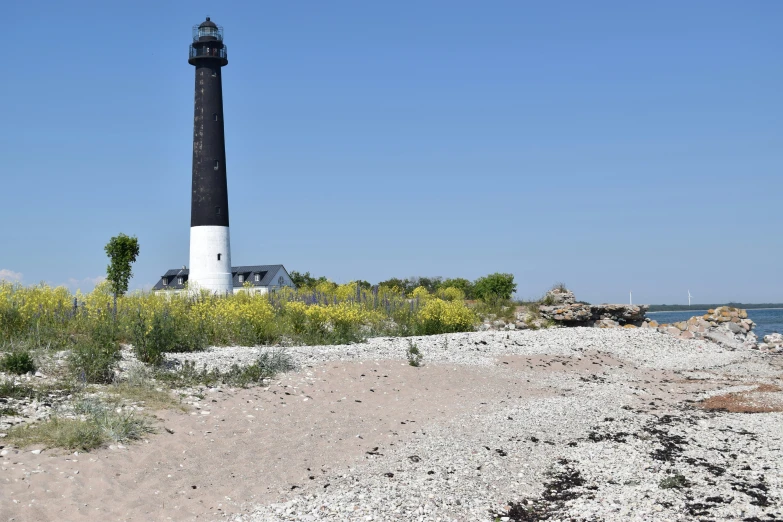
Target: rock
(773,338)
(573,313)
(682,325)
(734,328)
(606,323)
(559,296)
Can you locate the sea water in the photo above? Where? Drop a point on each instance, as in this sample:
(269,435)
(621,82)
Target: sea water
(768,320)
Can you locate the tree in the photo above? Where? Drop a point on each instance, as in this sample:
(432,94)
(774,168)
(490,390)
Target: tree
(122,251)
(305,280)
(494,286)
(394,282)
(460,283)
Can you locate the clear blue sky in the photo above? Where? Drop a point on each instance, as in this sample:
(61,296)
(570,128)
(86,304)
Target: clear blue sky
(613,146)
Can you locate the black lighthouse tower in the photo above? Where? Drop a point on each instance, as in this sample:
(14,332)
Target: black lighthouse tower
(210,249)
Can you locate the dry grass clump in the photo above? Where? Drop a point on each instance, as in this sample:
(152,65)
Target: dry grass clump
(751,401)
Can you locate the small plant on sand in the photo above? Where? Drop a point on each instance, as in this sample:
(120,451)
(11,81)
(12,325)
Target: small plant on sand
(18,362)
(414,355)
(676,481)
(266,366)
(100,423)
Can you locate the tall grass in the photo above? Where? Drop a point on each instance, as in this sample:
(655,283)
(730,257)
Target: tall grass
(41,317)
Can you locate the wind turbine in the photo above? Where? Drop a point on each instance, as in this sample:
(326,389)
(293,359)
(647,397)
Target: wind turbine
(689,298)
(630,298)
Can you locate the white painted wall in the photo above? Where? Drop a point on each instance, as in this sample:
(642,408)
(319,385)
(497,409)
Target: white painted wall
(206,271)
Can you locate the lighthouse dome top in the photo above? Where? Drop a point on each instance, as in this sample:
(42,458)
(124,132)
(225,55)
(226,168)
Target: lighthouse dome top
(207,30)
(208,23)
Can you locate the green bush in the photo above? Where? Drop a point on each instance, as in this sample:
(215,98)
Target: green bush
(101,424)
(414,354)
(18,362)
(266,366)
(11,390)
(494,286)
(93,361)
(165,333)
(676,481)
(461,284)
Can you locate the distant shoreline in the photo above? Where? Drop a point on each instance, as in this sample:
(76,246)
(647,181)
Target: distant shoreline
(705,309)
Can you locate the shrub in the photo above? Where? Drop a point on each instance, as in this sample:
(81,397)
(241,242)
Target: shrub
(437,316)
(676,481)
(461,284)
(93,361)
(11,390)
(414,354)
(266,366)
(494,286)
(420,292)
(100,425)
(18,362)
(451,293)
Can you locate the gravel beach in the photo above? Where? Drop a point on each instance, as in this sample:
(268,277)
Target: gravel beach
(561,424)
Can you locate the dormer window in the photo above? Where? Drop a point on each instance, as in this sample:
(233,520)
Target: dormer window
(257,278)
(241,278)
(179,281)
(165,281)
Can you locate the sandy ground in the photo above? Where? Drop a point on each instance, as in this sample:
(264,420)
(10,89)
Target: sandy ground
(263,445)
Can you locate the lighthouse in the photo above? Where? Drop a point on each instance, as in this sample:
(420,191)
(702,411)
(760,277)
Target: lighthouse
(210,245)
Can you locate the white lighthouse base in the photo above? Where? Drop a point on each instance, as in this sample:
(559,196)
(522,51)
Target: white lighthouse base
(210,260)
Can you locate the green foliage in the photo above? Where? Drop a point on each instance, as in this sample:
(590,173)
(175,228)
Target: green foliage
(406,286)
(122,251)
(437,317)
(306,280)
(414,354)
(460,283)
(11,390)
(93,359)
(496,308)
(676,481)
(266,366)
(101,424)
(402,285)
(166,332)
(494,286)
(18,362)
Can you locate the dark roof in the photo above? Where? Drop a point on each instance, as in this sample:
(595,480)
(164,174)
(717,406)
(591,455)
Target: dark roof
(266,273)
(208,23)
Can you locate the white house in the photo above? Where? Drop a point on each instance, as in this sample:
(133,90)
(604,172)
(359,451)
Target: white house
(255,279)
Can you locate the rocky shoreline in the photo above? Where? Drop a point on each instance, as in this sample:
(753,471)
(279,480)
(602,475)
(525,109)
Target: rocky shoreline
(727,326)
